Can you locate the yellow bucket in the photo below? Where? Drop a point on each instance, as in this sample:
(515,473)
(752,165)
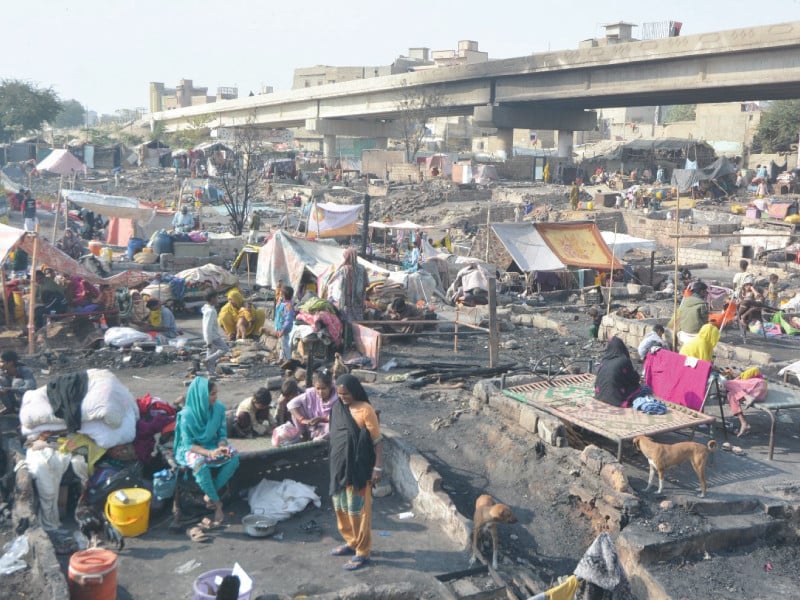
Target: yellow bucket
(129,510)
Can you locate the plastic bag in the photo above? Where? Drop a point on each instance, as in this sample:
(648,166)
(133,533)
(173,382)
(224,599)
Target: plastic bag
(164,484)
(279,500)
(11,561)
(285,435)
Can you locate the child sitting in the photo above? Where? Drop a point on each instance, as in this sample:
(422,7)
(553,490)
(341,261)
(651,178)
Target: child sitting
(252,417)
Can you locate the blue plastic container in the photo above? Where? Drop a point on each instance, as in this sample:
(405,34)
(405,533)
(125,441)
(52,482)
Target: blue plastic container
(162,243)
(135,246)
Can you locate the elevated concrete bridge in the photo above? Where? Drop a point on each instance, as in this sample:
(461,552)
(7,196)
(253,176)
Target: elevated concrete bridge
(554,90)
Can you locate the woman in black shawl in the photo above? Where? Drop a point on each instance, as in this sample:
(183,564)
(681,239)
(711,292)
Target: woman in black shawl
(617,381)
(356,459)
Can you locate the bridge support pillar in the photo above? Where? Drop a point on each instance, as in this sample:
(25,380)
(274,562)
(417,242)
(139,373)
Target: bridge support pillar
(329,146)
(564,144)
(505,142)
(381,143)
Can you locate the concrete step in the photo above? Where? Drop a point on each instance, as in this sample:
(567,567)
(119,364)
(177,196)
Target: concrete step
(645,546)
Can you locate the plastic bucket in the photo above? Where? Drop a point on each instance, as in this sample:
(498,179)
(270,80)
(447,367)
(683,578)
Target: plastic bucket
(131,517)
(135,246)
(107,254)
(205,589)
(95,247)
(93,575)
(590,205)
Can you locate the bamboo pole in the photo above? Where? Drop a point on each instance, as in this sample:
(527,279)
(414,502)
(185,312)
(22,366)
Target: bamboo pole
(58,208)
(32,298)
(493,341)
(488,228)
(611,272)
(675,275)
(5,297)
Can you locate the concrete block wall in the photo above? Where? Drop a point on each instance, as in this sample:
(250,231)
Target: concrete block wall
(519,168)
(415,479)
(403,172)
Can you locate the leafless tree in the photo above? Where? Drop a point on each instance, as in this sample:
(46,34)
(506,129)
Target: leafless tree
(241,174)
(416,108)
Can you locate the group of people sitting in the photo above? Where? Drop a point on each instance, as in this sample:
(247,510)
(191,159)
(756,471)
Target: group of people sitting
(340,411)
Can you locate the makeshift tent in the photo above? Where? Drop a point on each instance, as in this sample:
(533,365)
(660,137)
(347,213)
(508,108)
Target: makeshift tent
(61,162)
(683,179)
(287,258)
(110,206)
(554,246)
(332,220)
(11,237)
(622,243)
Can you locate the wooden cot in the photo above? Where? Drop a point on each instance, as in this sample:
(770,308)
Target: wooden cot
(571,399)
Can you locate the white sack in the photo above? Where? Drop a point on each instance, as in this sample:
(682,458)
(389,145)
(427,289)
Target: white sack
(47,466)
(119,337)
(279,500)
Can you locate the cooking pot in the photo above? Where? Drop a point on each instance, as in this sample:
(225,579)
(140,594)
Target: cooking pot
(258,526)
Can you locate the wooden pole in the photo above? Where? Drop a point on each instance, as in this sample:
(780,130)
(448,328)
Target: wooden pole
(32,298)
(488,228)
(611,272)
(493,341)
(675,294)
(58,208)
(5,297)
(455,329)
(652,266)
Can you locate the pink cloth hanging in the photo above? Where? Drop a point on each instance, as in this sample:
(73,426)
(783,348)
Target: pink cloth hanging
(671,379)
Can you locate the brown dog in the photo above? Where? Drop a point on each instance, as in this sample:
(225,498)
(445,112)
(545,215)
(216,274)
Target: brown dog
(488,514)
(663,456)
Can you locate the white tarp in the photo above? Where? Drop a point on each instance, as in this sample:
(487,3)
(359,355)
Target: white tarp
(111,206)
(527,247)
(623,243)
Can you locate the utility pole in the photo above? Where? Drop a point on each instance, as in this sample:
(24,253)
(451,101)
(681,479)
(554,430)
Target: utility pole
(365,227)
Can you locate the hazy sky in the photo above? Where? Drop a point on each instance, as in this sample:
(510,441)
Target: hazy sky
(103,53)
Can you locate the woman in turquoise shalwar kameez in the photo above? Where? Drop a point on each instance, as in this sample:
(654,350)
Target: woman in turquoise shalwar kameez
(201,442)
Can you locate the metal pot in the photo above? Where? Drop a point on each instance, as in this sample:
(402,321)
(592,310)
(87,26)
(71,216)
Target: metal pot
(259,525)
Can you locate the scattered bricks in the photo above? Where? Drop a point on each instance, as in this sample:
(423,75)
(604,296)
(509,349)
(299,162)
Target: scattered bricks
(550,430)
(483,389)
(520,309)
(529,419)
(622,500)
(364,375)
(526,320)
(614,476)
(594,458)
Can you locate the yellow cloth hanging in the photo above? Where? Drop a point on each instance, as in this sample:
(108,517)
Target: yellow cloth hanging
(70,444)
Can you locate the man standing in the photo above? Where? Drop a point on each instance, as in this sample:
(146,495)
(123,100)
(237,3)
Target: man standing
(29,211)
(574,195)
(255,225)
(284,321)
(216,346)
(183,221)
(660,174)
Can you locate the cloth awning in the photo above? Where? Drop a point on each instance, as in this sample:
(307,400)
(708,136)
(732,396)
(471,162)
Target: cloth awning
(110,206)
(332,220)
(621,243)
(404,225)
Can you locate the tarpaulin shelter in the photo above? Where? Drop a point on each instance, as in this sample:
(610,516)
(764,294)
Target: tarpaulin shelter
(122,213)
(61,162)
(552,246)
(684,179)
(332,220)
(48,254)
(622,243)
(285,257)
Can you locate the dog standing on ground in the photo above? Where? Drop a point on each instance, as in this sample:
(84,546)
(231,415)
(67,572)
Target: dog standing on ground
(663,456)
(488,514)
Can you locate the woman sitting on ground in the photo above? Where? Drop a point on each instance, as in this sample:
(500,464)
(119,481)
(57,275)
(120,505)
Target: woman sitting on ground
(240,320)
(311,410)
(252,417)
(201,442)
(617,381)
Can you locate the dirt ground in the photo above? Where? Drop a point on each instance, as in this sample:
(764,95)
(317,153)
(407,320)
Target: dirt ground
(484,453)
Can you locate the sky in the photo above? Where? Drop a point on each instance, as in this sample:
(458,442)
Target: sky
(104,53)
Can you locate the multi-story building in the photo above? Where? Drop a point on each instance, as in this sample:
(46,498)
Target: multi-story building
(185,94)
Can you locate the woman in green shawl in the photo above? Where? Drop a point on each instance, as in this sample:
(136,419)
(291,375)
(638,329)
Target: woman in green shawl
(201,442)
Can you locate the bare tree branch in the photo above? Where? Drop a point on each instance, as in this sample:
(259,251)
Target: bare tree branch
(416,108)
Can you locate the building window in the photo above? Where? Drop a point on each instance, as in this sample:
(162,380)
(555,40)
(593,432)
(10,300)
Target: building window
(306,83)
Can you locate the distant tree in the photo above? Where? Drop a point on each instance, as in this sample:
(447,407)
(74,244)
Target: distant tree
(24,107)
(196,132)
(416,109)
(240,176)
(778,128)
(72,114)
(680,112)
